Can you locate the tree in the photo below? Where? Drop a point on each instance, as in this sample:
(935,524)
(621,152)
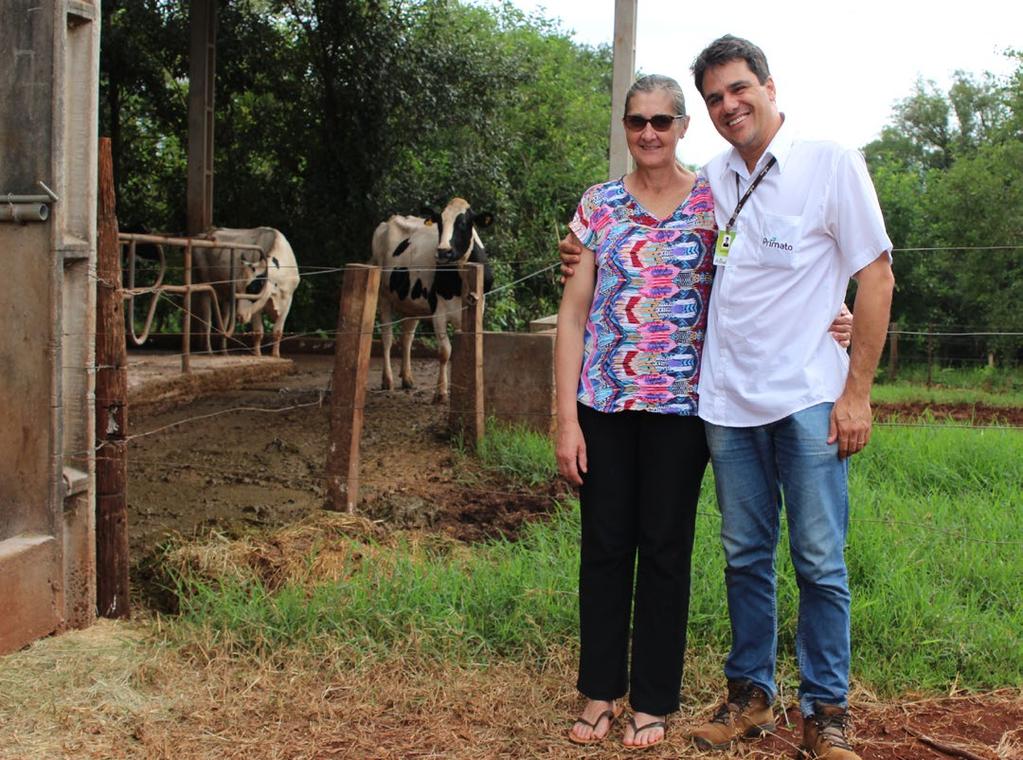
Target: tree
(947,174)
(333,114)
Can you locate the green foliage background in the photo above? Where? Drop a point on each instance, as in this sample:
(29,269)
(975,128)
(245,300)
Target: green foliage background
(333,115)
(949,174)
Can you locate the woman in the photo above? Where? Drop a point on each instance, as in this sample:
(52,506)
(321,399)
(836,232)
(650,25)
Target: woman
(630,332)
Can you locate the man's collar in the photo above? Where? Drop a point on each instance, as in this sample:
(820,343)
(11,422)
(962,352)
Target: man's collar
(780,147)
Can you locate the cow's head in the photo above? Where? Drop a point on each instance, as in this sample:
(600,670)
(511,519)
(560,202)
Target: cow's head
(455,233)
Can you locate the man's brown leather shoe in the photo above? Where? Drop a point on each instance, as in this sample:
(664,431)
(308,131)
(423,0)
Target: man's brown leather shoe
(824,734)
(745,714)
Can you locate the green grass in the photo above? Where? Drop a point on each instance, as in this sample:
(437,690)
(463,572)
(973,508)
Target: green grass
(998,386)
(523,455)
(501,599)
(935,540)
(906,392)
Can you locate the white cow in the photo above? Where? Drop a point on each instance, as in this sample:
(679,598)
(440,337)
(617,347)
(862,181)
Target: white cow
(277,264)
(421,260)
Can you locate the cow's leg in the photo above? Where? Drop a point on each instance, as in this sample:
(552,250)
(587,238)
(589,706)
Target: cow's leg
(386,338)
(257,333)
(408,333)
(278,330)
(440,332)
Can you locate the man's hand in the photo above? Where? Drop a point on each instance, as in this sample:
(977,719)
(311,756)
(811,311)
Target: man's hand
(850,417)
(841,329)
(571,452)
(851,422)
(571,250)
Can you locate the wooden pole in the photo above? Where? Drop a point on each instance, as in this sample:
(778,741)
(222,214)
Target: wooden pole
(112,598)
(201,79)
(186,316)
(623,73)
(466,415)
(930,355)
(893,351)
(351,370)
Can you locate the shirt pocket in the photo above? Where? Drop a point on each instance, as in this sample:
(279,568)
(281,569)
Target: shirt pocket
(778,246)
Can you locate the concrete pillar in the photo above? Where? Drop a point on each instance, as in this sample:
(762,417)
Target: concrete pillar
(49,74)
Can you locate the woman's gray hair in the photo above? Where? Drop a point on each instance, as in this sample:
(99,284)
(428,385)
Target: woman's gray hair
(654,82)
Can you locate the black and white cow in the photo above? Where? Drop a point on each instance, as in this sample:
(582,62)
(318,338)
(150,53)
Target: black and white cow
(421,262)
(272,272)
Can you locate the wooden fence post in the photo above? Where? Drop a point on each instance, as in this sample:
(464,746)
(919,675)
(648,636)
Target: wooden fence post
(352,346)
(893,351)
(466,414)
(930,355)
(186,326)
(111,406)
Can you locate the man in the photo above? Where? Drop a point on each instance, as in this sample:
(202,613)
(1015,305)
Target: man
(784,406)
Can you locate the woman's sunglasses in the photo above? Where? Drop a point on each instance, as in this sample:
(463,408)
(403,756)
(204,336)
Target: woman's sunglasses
(660,122)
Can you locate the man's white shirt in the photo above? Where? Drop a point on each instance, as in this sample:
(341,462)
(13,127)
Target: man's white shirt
(812,223)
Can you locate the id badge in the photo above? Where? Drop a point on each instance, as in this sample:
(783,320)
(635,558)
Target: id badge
(724,244)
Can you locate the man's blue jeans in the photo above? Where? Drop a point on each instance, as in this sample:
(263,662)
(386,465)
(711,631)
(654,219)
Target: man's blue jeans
(753,468)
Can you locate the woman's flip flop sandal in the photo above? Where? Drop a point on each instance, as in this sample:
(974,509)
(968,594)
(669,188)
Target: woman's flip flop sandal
(610,715)
(637,730)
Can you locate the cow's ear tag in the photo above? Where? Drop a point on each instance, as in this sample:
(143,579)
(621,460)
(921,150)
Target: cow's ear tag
(428,222)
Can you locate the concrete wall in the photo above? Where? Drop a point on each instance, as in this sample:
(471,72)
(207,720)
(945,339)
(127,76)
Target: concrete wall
(518,379)
(49,62)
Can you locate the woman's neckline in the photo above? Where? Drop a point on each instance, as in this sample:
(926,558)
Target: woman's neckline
(671,215)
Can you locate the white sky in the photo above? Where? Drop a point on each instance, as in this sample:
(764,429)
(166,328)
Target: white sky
(839,67)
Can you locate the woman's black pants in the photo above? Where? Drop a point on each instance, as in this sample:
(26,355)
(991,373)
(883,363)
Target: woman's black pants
(638,502)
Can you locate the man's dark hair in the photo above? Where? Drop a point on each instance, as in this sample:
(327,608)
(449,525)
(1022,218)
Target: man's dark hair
(730,48)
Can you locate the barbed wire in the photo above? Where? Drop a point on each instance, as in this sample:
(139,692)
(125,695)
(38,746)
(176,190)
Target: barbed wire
(935,333)
(318,334)
(323,392)
(317,485)
(932,249)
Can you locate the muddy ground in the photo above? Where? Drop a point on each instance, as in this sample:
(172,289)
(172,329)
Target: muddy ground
(252,459)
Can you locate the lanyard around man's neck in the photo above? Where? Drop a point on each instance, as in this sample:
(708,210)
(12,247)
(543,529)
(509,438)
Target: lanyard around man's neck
(727,236)
(749,191)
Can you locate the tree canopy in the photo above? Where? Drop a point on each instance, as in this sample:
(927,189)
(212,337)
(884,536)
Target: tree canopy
(949,175)
(332,115)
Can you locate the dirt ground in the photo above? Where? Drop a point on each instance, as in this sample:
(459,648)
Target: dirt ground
(967,414)
(252,460)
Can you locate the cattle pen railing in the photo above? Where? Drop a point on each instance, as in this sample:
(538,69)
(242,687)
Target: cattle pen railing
(159,288)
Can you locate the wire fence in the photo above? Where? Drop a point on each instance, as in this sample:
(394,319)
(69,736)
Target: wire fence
(250,475)
(906,344)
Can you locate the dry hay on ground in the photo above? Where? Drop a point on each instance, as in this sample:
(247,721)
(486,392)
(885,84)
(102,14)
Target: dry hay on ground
(115,691)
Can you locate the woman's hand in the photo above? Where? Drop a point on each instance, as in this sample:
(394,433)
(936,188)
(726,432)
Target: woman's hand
(571,452)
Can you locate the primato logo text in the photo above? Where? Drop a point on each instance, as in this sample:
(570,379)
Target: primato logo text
(775,243)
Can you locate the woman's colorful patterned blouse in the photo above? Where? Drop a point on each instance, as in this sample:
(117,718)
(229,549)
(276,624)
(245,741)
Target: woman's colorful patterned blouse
(648,320)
